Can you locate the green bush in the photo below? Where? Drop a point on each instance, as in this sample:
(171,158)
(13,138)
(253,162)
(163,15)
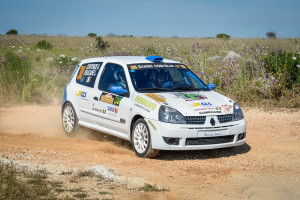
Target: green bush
(101,44)
(92,35)
(12,32)
(271,35)
(44,45)
(223,36)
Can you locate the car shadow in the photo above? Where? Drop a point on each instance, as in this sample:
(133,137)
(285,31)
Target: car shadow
(203,154)
(167,155)
(103,137)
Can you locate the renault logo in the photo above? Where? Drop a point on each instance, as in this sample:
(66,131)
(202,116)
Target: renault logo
(212,121)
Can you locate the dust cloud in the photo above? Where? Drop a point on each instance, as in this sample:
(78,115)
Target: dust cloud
(46,121)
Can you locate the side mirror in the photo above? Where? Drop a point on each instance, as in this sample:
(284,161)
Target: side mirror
(212,86)
(117,89)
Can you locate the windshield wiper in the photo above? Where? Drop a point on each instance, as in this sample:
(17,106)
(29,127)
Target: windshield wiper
(153,89)
(185,88)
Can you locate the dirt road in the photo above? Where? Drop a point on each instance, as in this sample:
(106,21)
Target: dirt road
(266,167)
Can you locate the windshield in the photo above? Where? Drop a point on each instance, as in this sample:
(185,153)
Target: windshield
(164,77)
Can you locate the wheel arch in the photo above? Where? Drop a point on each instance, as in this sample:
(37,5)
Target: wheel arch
(134,119)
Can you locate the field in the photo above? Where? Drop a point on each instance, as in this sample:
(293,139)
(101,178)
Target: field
(37,160)
(254,72)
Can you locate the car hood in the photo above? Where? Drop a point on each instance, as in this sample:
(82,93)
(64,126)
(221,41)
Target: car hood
(195,103)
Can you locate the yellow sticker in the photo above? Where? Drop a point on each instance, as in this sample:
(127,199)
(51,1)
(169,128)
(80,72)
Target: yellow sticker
(133,67)
(152,125)
(156,97)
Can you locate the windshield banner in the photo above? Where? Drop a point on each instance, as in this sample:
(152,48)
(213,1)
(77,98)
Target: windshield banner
(156,65)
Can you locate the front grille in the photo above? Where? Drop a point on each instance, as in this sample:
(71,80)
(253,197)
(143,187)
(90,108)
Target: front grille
(209,140)
(195,119)
(225,118)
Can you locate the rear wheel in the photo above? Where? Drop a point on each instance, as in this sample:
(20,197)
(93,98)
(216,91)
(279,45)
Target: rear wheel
(141,140)
(69,119)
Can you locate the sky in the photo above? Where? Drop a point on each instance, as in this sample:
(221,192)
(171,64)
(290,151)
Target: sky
(162,18)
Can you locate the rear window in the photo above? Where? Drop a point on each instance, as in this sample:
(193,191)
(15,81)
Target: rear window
(87,74)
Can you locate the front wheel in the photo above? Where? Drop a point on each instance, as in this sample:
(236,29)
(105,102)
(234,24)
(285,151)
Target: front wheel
(69,119)
(141,140)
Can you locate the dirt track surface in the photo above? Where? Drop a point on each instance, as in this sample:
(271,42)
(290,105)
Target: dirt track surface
(266,167)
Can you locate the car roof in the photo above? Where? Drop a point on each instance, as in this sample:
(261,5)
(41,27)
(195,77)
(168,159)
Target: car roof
(124,59)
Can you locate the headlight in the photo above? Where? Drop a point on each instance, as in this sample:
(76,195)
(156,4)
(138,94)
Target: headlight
(170,115)
(237,112)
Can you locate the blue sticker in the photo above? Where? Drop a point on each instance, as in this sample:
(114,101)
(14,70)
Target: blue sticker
(132,70)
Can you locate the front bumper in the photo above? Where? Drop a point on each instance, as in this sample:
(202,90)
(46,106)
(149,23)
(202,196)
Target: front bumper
(167,136)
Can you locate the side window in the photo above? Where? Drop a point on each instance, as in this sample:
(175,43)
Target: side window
(87,74)
(113,75)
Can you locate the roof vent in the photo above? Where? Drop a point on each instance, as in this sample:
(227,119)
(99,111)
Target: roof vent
(155,58)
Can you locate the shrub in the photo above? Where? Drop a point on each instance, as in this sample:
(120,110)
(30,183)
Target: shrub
(12,32)
(15,76)
(64,62)
(101,44)
(271,35)
(284,66)
(223,36)
(44,45)
(92,35)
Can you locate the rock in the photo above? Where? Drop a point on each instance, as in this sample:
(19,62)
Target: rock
(49,59)
(232,55)
(215,58)
(6,161)
(104,171)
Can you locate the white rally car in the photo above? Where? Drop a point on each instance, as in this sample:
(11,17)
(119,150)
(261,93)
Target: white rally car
(156,103)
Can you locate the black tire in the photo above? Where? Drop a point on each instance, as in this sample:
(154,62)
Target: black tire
(69,120)
(141,140)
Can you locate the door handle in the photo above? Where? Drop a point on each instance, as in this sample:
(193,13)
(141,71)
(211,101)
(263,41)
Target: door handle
(96,98)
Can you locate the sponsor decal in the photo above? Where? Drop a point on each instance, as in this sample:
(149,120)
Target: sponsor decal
(82,94)
(156,97)
(205,104)
(133,67)
(117,100)
(111,109)
(218,108)
(88,73)
(82,68)
(142,107)
(227,108)
(190,97)
(111,99)
(210,111)
(142,101)
(152,125)
(209,108)
(91,69)
(103,111)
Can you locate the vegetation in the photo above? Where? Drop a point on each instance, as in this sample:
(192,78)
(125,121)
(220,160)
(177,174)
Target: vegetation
(271,34)
(222,36)
(44,45)
(151,188)
(12,32)
(18,184)
(254,72)
(92,35)
(101,44)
